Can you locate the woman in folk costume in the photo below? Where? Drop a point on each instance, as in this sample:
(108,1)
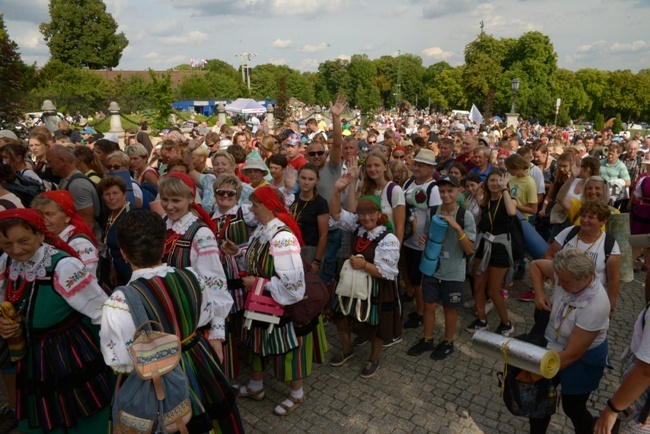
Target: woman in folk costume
(191,243)
(61,218)
(181,300)
(62,383)
(273,255)
(230,225)
(375,250)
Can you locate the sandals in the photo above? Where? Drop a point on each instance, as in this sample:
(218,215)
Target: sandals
(288,410)
(246,392)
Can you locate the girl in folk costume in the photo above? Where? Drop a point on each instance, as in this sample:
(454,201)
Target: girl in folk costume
(191,243)
(62,382)
(375,250)
(181,301)
(230,225)
(273,255)
(61,218)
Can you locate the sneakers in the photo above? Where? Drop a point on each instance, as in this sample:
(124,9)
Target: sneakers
(476,326)
(504,292)
(520,273)
(8,420)
(413,322)
(359,341)
(369,370)
(420,347)
(442,350)
(529,296)
(389,343)
(506,329)
(341,358)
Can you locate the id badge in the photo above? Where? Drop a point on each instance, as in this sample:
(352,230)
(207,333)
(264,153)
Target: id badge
(488,236)
(444,255)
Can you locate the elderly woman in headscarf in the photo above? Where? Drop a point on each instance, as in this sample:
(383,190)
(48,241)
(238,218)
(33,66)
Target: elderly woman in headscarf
(375,250)
(272,258)
(61,218)
(62,383)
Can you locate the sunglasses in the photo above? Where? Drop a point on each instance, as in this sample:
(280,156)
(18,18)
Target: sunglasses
(314,153)
(113,167)
(372,142)
(400,157)
(224,193)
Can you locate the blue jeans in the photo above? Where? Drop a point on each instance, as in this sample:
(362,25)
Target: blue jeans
(328,266)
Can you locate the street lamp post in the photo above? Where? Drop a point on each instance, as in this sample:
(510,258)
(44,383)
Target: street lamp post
(245,59)
(557,109)
(512,117)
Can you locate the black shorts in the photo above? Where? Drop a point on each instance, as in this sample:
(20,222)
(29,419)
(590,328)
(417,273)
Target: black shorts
(499,257)
(444,292)
(412,260)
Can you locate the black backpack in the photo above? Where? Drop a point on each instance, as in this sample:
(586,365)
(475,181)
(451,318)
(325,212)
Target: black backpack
(517,242)
(609,240)
(25,188)
(104,212)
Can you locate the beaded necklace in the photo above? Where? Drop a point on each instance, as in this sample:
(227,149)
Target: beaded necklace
(170,243)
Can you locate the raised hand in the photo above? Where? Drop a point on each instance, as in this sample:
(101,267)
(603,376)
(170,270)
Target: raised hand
(290,177)
(504,180)
(575,167)
(339,106)
(343,182)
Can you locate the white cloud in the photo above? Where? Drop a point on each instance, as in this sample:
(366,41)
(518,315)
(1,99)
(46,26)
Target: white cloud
(164,27)
(394,12)
(263,8)
(309,65)
(31,39)
(192,37)
(344,57)
(437,52)
(152,55)
(282,43)
(634,46)
(314,48)
(369,47)
(278,61)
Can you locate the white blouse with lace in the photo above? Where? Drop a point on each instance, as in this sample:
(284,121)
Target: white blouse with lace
(86,250)
(387,252)
(204,260)
(72,280)
(118,328)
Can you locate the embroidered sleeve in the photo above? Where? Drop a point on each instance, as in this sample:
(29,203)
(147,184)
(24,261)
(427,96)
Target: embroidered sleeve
(87,252)
(288,285)
(348,221)
(79,288)
(248,215)
(205,261)
(3,275)
(116,333)
(387,257)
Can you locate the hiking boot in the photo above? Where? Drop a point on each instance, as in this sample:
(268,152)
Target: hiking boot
(476,326)
(359,341)
(529,296)
(413,322)
(506,329)
(422,346)
(341,358)
(8,420)
(390,342)
(442,350)
(369,370)
(520,273)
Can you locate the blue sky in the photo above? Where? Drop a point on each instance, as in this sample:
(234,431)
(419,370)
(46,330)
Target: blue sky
(302,33)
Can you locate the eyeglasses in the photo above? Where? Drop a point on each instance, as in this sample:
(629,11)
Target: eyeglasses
(224,193)
(372,142)
(400,157)
(366,213)
(113,167)
(314,153)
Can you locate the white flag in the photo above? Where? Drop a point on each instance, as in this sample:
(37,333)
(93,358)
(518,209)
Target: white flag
(475,115)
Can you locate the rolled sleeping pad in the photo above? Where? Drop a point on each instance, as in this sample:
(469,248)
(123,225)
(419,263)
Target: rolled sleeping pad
(535,244)
(618,225)
(433,246)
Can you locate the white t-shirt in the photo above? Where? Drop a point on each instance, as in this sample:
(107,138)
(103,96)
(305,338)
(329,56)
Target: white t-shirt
(589,315)
(419,214)
(640,344)
(571,194)
(538,176)
(596,251)
(397,198)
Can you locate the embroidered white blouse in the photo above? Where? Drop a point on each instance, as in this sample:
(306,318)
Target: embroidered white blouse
(118,328)
(288,285)
(204,260)
(87,252)
(72,280)
(387,252)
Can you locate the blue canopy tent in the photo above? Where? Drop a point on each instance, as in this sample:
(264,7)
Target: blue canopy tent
(245,106)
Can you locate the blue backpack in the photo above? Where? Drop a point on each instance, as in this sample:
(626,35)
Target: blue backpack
(149,194)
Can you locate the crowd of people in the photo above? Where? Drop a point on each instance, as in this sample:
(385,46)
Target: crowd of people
(430,213)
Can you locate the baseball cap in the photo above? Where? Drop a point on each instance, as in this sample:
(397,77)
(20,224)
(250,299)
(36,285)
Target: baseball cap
(449,179)
(8,134)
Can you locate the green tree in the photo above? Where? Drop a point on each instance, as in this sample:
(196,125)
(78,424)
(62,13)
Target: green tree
(483,70)
(281,111)
(161,94)
(81,33)
(617,126)
(599,122)
(195,86)
(446,90)
(333,79)
(594,82)
(11,85)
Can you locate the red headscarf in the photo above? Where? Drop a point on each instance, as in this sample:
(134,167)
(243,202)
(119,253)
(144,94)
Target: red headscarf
(189,182)
(270,198)
(35,218)
(63,198)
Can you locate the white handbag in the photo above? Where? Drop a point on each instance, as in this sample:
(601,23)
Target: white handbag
(355,285)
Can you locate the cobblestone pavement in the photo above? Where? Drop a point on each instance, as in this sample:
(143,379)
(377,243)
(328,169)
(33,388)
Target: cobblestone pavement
(418,395)
(458,395)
